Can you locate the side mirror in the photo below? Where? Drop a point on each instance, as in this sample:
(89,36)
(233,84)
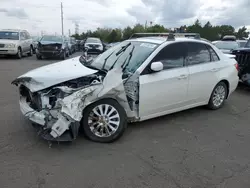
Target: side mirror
(156,66)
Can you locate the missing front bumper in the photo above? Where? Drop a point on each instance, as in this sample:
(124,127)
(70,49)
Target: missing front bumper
(60,129)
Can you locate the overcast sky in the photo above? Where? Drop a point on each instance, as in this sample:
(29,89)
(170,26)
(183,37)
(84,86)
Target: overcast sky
(36,16)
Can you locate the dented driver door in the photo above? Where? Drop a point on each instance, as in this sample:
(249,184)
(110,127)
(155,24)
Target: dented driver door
(165,91)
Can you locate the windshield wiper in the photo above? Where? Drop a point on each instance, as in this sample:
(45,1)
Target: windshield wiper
(105,60)
(124,66)
(123,49)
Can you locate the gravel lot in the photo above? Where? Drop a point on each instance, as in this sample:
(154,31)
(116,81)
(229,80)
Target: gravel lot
(196,148)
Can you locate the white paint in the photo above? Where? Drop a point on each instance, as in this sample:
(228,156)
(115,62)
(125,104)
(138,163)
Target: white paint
(56,73)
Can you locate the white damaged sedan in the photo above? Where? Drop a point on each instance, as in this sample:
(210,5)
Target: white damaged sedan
(135,80)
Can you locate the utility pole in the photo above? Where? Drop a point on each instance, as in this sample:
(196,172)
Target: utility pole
(62,18)
(69,33)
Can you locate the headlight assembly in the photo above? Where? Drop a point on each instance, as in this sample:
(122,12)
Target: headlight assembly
(9,45)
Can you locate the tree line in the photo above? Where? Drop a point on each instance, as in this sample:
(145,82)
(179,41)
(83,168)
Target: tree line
(207,31)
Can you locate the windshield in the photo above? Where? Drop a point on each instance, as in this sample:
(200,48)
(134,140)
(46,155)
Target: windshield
(247,44)
(52,38)
(226,45)
(9,35)
(93,40)
(242,44)
(132,54)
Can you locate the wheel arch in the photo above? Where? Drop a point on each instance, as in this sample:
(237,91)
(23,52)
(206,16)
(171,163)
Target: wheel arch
(111,98)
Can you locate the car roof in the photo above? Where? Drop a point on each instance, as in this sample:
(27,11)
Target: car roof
(161,40)
(12,30)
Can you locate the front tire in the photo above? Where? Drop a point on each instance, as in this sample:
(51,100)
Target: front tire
(104,121)
(19,54)
(63,57)
(218,96)
(38,57)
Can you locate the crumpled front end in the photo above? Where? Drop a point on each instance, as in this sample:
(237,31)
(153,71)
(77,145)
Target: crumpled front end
(58,110)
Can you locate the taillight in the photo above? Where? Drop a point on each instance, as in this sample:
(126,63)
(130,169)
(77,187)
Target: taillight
(236,66)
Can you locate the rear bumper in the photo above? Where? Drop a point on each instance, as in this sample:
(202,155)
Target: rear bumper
(233,85)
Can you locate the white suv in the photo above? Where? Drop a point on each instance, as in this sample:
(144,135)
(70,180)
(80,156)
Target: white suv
(15,42)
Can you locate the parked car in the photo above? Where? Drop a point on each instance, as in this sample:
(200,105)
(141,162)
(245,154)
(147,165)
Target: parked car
(94,45)
(52,46)
(136,80)
(78,45)
(242,55)
(15,42)
(71,44)
(35,40)
(229,38)
(226,46)
(241,43)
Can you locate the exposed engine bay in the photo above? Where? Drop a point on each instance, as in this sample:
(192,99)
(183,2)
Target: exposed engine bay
(59,108)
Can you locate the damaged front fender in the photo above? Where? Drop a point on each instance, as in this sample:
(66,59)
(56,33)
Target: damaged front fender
(63,118)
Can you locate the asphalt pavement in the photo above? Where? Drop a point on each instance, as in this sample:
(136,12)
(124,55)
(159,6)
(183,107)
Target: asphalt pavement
(192,149)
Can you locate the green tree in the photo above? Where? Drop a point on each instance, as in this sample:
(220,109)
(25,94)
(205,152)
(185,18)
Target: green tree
(207,31)
(127,32)
(156,29)
(242,33)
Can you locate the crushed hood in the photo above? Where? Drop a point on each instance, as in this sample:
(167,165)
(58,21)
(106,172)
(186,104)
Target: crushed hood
(56,73)
(49,42)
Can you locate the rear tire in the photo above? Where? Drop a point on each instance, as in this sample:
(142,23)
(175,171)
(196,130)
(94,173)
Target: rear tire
(218,96)
(112,122)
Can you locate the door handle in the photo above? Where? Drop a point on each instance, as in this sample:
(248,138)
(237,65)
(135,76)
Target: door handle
(183,76)
(214,70)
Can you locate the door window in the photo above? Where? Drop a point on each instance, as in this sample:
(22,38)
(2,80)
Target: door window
(172,56)
(214,56)
(198,53)
(22,36)
(27,35)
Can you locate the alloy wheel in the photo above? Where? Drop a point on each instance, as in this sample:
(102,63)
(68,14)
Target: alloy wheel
(104,120)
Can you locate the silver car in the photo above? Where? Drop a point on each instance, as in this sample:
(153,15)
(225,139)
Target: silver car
(15,42)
